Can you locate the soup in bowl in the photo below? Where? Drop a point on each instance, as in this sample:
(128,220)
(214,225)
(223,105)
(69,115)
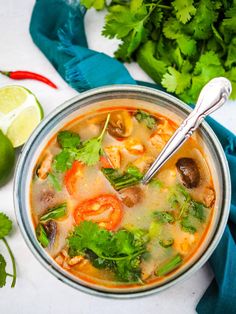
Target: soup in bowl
(84,211)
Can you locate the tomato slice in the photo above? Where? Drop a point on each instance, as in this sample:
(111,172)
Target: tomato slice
(71,177)
(106,210)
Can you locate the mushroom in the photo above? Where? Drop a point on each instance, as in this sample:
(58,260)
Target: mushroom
(51,230)
(131,196)
(120,124)
(189,172)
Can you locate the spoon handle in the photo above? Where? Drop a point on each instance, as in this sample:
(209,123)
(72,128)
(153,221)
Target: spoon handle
(213,95)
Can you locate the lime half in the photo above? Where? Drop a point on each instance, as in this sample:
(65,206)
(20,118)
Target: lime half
(20,113)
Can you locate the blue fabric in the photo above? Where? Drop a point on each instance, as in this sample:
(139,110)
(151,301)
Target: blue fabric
(57,28)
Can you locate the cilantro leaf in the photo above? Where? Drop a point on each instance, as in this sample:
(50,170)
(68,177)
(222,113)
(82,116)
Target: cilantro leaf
(163,36)
(231,59)
(5,225)
(64,160)
(90,150)
(197,210)
(187,45)
(184,10)
(67,139)
(120,252)
(147,60)
(5,229)
(229,22)
(163,217)
(3,273)
(148,119)
(200,26)
(187,226)
(175,81)
(121,22)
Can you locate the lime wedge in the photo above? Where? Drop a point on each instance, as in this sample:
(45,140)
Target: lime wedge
(20,113)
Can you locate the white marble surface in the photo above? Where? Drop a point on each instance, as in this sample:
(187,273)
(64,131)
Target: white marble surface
(37,291)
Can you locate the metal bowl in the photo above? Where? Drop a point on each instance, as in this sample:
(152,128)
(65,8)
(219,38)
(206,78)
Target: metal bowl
(141,97)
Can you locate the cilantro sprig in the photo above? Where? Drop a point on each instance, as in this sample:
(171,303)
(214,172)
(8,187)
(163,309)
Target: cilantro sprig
(120,252)
(179,44)
(148,119)
(5,229)
(188,209)
(73,149)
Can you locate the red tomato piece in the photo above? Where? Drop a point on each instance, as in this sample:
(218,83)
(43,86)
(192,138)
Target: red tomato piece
(71,177)
(106,210)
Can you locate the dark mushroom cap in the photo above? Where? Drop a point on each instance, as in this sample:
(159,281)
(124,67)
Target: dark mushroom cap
(51,230)
(189,172)
(131,196)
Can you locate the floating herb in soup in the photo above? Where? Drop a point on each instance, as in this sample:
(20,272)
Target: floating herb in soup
(97,220)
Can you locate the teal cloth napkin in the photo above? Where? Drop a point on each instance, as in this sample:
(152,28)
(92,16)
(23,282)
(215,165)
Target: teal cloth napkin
(57,28)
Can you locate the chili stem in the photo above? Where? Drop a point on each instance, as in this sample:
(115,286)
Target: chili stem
(13,263)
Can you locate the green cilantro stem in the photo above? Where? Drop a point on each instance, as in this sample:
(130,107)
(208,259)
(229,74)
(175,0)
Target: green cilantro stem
(122,257)
(162,6)
(105,127)
(9,275)
(13,263)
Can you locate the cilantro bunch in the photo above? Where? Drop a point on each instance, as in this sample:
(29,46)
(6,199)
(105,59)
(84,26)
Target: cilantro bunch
(179,44)
(5,229)
(119,251)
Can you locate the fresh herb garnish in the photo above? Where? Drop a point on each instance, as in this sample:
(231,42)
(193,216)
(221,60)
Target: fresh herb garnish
(54,180)
(187,226)
(5,229)
(90,151)
(41,235)
(87,152)
(197,210)
(181,200)
(120,252)
(169,266)
(64,160)
(122,180)
(68,139)
(198,35)
(54,213)
(134,171)
(163,217)
(149,120)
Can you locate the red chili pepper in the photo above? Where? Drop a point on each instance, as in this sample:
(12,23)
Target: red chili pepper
(24,75)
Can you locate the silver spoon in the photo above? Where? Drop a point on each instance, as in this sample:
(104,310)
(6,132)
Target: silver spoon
(213,95)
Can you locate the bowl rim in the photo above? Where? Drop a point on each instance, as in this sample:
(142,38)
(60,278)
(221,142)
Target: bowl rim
(225,199)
